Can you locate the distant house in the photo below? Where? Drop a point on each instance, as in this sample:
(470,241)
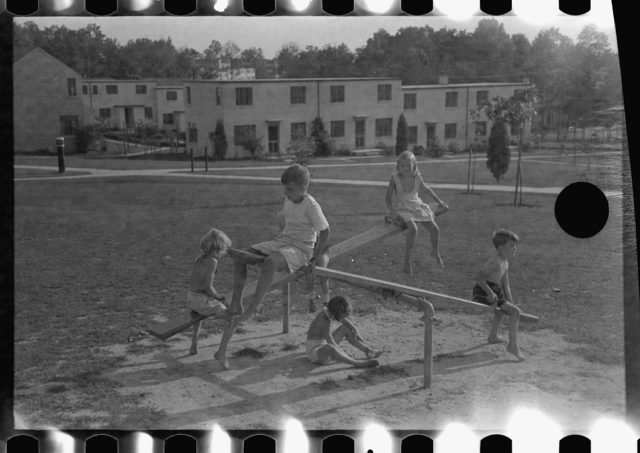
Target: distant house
(47,101)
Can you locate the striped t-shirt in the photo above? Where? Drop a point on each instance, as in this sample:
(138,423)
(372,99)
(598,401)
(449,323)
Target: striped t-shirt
(302,222)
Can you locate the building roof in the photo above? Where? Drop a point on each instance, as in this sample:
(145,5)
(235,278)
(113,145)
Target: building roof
(21,53)
(109,80)
(320,79)
(465,85)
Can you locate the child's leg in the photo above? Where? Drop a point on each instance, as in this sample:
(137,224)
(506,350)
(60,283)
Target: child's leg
(239,280)
(322,261)
(434,231)
(194,338)
(495,323)
(343,332)
(272,264)
(514,319)
(339,355)
(221,353)
(412,230)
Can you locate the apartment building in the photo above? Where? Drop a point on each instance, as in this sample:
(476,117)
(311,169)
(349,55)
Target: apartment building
(125,103)
(47,101)
(357,113)
(443,112)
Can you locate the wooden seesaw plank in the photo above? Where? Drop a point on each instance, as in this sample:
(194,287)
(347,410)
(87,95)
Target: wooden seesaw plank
(187,318)
(375,284)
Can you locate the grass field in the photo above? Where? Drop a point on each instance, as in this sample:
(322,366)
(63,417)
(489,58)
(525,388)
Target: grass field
(95,259)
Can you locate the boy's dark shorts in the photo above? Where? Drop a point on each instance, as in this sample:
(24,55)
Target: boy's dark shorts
(480,296)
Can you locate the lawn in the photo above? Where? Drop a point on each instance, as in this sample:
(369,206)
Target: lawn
(95,259)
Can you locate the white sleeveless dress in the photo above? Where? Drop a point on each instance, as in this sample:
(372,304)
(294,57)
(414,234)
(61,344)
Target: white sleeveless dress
(408,205)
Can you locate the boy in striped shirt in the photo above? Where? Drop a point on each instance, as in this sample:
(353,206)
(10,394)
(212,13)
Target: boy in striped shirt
(304,237)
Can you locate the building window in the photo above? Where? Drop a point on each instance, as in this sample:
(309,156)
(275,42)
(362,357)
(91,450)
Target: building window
(141,89)
(172,95)
(451,99)
(412,135)
(104,113)
(112,89)
(218,95)
(148,113)
(410,101)
(71,87)
(482,97)
(384,126)
(298,131)
(188,91)
(337,128)
(242,133)
(244,96)
(192,133)
(167,118)
(85,89)
(68,124)
(481,128)
(298,95)
(95,89)
(450,130)
(336,93)
(384,92)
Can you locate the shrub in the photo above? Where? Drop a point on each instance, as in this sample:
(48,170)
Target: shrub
(86,138)
(320,140)
(401,135)
(498,153)
(386,150)
(454,148)
(343,151)
(301,150)
(435,150)
(419,150)
(219,140)
(253,145)
(526,147)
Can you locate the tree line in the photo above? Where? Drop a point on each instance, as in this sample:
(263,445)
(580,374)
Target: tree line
(575,78)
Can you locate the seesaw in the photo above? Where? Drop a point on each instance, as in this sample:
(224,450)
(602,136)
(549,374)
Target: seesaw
(187,318)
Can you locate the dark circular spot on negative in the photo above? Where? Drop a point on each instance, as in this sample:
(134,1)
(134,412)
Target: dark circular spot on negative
(582,209)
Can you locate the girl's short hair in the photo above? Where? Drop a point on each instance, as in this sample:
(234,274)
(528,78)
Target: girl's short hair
(296,174)
(408,155)
(501,237)
(338,305)
(214,241)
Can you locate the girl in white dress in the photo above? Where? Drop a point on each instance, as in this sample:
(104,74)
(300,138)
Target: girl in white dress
(406,206)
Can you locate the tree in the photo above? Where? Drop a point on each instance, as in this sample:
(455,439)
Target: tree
(320,141)
(219,140)
(498,154)
(401,135)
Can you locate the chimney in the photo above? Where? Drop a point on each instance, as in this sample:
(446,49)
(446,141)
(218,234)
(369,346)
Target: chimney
(443,80)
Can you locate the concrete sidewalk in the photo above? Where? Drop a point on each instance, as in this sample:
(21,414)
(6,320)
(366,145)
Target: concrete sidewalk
(182,173)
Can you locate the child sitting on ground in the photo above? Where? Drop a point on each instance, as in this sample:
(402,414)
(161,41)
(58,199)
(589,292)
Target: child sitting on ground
(202,296)
(322,345)
(406,206)
(305,234)
(492,288)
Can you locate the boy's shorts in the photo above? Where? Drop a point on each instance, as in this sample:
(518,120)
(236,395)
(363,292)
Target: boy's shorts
(312,347)
(294,257)
(200,302)
(480,296)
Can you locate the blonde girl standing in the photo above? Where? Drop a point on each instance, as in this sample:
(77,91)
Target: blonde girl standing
(406,207)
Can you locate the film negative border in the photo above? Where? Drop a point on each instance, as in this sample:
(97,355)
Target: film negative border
(256,7)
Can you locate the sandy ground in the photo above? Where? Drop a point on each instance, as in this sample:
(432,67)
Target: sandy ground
(474,382)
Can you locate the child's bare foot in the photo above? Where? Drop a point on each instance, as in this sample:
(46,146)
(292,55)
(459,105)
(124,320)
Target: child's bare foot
(194,349)
(373,354)
(438,258)
(222,358)
(494,340)
(407,268)
(515,351)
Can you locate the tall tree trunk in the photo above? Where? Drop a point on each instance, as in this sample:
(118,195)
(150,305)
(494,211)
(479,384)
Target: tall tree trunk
(518,188)
(469,172)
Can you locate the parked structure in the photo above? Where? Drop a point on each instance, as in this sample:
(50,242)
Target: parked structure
(47,101)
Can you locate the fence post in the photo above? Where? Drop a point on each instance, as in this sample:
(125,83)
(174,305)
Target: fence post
(429,316)
(60,150)
(206,159)
(286,307)
(191,160)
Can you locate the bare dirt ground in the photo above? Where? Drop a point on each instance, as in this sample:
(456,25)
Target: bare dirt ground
(474,382)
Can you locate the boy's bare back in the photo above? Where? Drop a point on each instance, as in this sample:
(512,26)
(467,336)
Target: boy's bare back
(202,275)
(320,326)
(494,269)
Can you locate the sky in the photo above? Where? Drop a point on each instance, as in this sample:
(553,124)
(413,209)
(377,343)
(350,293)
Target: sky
(270,33)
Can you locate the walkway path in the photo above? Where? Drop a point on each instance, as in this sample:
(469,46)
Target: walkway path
(184,173)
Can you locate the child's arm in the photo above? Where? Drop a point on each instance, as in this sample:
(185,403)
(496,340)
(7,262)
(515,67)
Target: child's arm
(281,220)
(321,243)
(347,322)
(505,286)
(481,279)
(389,198)
(431,193)
(211,291)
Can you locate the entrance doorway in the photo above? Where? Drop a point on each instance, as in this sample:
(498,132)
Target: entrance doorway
(274,138)
(360,133)
(431,134)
